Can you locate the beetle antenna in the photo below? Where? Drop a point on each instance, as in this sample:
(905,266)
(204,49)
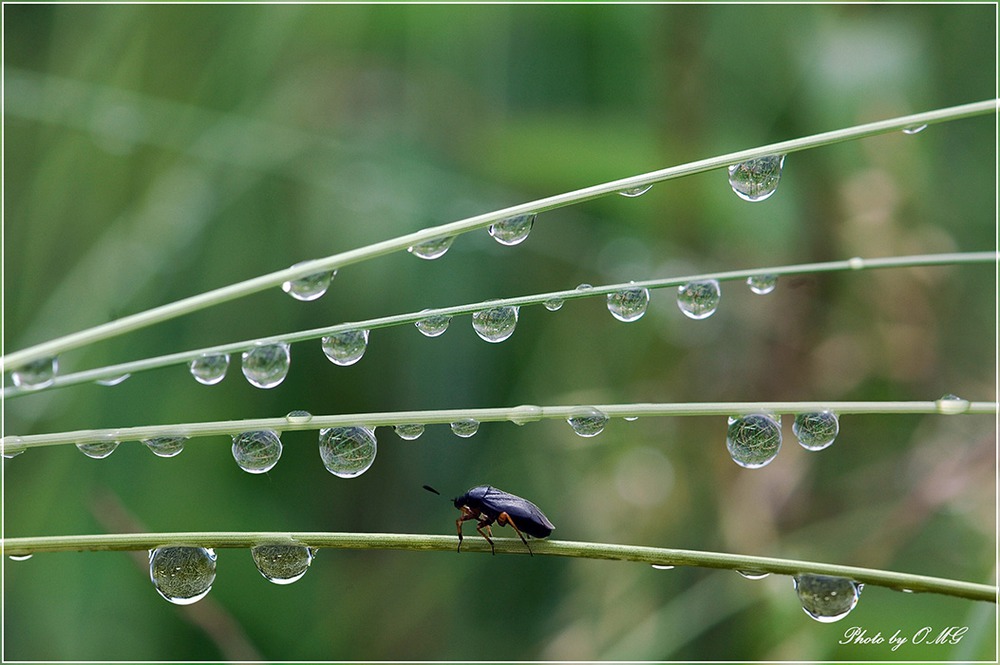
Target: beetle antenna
(431,489)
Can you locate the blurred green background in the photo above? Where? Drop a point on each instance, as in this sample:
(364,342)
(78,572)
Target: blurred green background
(155,152)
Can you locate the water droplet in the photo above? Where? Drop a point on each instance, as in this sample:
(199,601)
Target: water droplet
(661,566)
(698,300)
(856,263)
(12,447)
(298,416)
(433,326)
(633,192)
(513,230)
(587,421)
(282,564)
(826,598)
(553,304)
(753,440)
(257,452)
(113,381)
(753,574)
(762,284)
(182,575)
(465,428)
(952,404)
(756,179)
(628,305)
(99,449)
(266,365)
(309,287)
(409,431)
(347,452)
(525,413)
(631,419)
(496,324)
(432,249)
(37,374)
(584,287)
(816,431)
(166,446)
(210,368)
(914,129)
(19,557)
(345,348)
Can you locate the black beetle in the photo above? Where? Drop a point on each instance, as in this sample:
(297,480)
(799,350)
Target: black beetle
(488,505)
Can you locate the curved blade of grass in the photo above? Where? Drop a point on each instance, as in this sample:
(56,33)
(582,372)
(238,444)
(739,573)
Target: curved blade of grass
(856,263)
(566,548)
(204,300)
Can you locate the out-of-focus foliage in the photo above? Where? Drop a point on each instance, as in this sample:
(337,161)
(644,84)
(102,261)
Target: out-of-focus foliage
(155,152)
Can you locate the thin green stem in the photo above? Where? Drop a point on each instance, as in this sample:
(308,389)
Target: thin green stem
(660,556)
(856,263)
(217,296)
(518,414)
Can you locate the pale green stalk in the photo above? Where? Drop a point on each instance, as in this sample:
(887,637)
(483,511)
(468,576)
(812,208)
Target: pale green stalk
(518,414)
(660,556)
(217,296)
(856,263)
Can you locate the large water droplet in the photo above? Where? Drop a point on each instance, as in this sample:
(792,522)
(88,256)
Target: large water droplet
(266,365)
(298,416)
(628,305)
(496,324)
(753,440)
(513,230)
(465,428)
(762,284)
(553,304)
(409,431)
(37,374)
(952,405)
(210,368)
(433,326)
(257,452)
(756,179)
(432,249)
(826,598)
(347,452)
(587,421)
(816,431)
(99,449)
(753,574)
(282,564)
(699,300)
(633,192)
(182,575)
(914,129)
(166,446)
(113,380)
(345,348)
(309,287)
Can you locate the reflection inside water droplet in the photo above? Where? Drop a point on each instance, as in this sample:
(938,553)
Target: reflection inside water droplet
(266,365)
(310,287)
(298,416)
(99,449)
(345,348)
(432,249)
(513,230)
(166,446)
(762,284)
(753,440)
(816,431)
(210,368)
(699,300)
(756,179)
(952,404)
(826,598)
(409,431)
(628,305)
(282,563)
(587,421)
(182,575)
(465,428)
(553,304)
(633,192)
(496,324)
(753,574)
(347,452)
(113,380)
(257,452)
(36,375)
(434,325)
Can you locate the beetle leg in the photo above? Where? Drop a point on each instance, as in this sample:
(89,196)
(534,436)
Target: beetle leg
(504,519)
(466,515)
(486,534)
